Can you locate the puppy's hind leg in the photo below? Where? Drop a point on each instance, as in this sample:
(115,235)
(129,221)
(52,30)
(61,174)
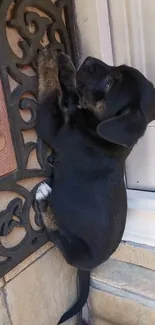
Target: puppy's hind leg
(54,233)
(44,203)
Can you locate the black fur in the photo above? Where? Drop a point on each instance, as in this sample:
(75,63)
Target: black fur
(88,191)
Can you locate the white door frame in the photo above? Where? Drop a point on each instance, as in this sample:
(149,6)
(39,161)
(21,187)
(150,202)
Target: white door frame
(95,38)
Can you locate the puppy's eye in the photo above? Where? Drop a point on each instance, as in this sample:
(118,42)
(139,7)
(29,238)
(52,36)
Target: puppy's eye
(108,82)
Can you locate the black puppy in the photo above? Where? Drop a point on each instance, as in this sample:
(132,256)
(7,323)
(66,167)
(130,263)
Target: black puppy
(92,120)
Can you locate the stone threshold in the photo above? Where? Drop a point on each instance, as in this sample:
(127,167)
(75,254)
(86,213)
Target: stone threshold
(137,254)
(122,294)
(128,278)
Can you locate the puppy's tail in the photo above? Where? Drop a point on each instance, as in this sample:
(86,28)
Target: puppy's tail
(84,282)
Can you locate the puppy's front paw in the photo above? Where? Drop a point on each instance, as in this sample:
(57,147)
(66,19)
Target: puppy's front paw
(43,192)
(48,80)
(47,59)
(67,71)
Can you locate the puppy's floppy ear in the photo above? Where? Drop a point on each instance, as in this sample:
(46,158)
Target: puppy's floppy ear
(128,126)
(124,129)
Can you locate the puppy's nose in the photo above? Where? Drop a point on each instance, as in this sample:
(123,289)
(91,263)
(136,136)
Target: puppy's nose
(86,64)
(90,61)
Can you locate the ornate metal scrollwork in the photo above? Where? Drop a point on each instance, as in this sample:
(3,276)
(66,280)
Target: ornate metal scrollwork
(34,22)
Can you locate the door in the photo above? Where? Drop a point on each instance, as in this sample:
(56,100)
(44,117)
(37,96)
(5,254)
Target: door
(123,32)
(133,41)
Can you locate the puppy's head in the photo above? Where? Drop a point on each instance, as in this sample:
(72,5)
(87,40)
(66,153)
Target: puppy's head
(121,98)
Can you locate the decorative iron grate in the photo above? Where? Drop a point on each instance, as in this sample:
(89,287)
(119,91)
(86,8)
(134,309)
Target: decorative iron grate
(25,26)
